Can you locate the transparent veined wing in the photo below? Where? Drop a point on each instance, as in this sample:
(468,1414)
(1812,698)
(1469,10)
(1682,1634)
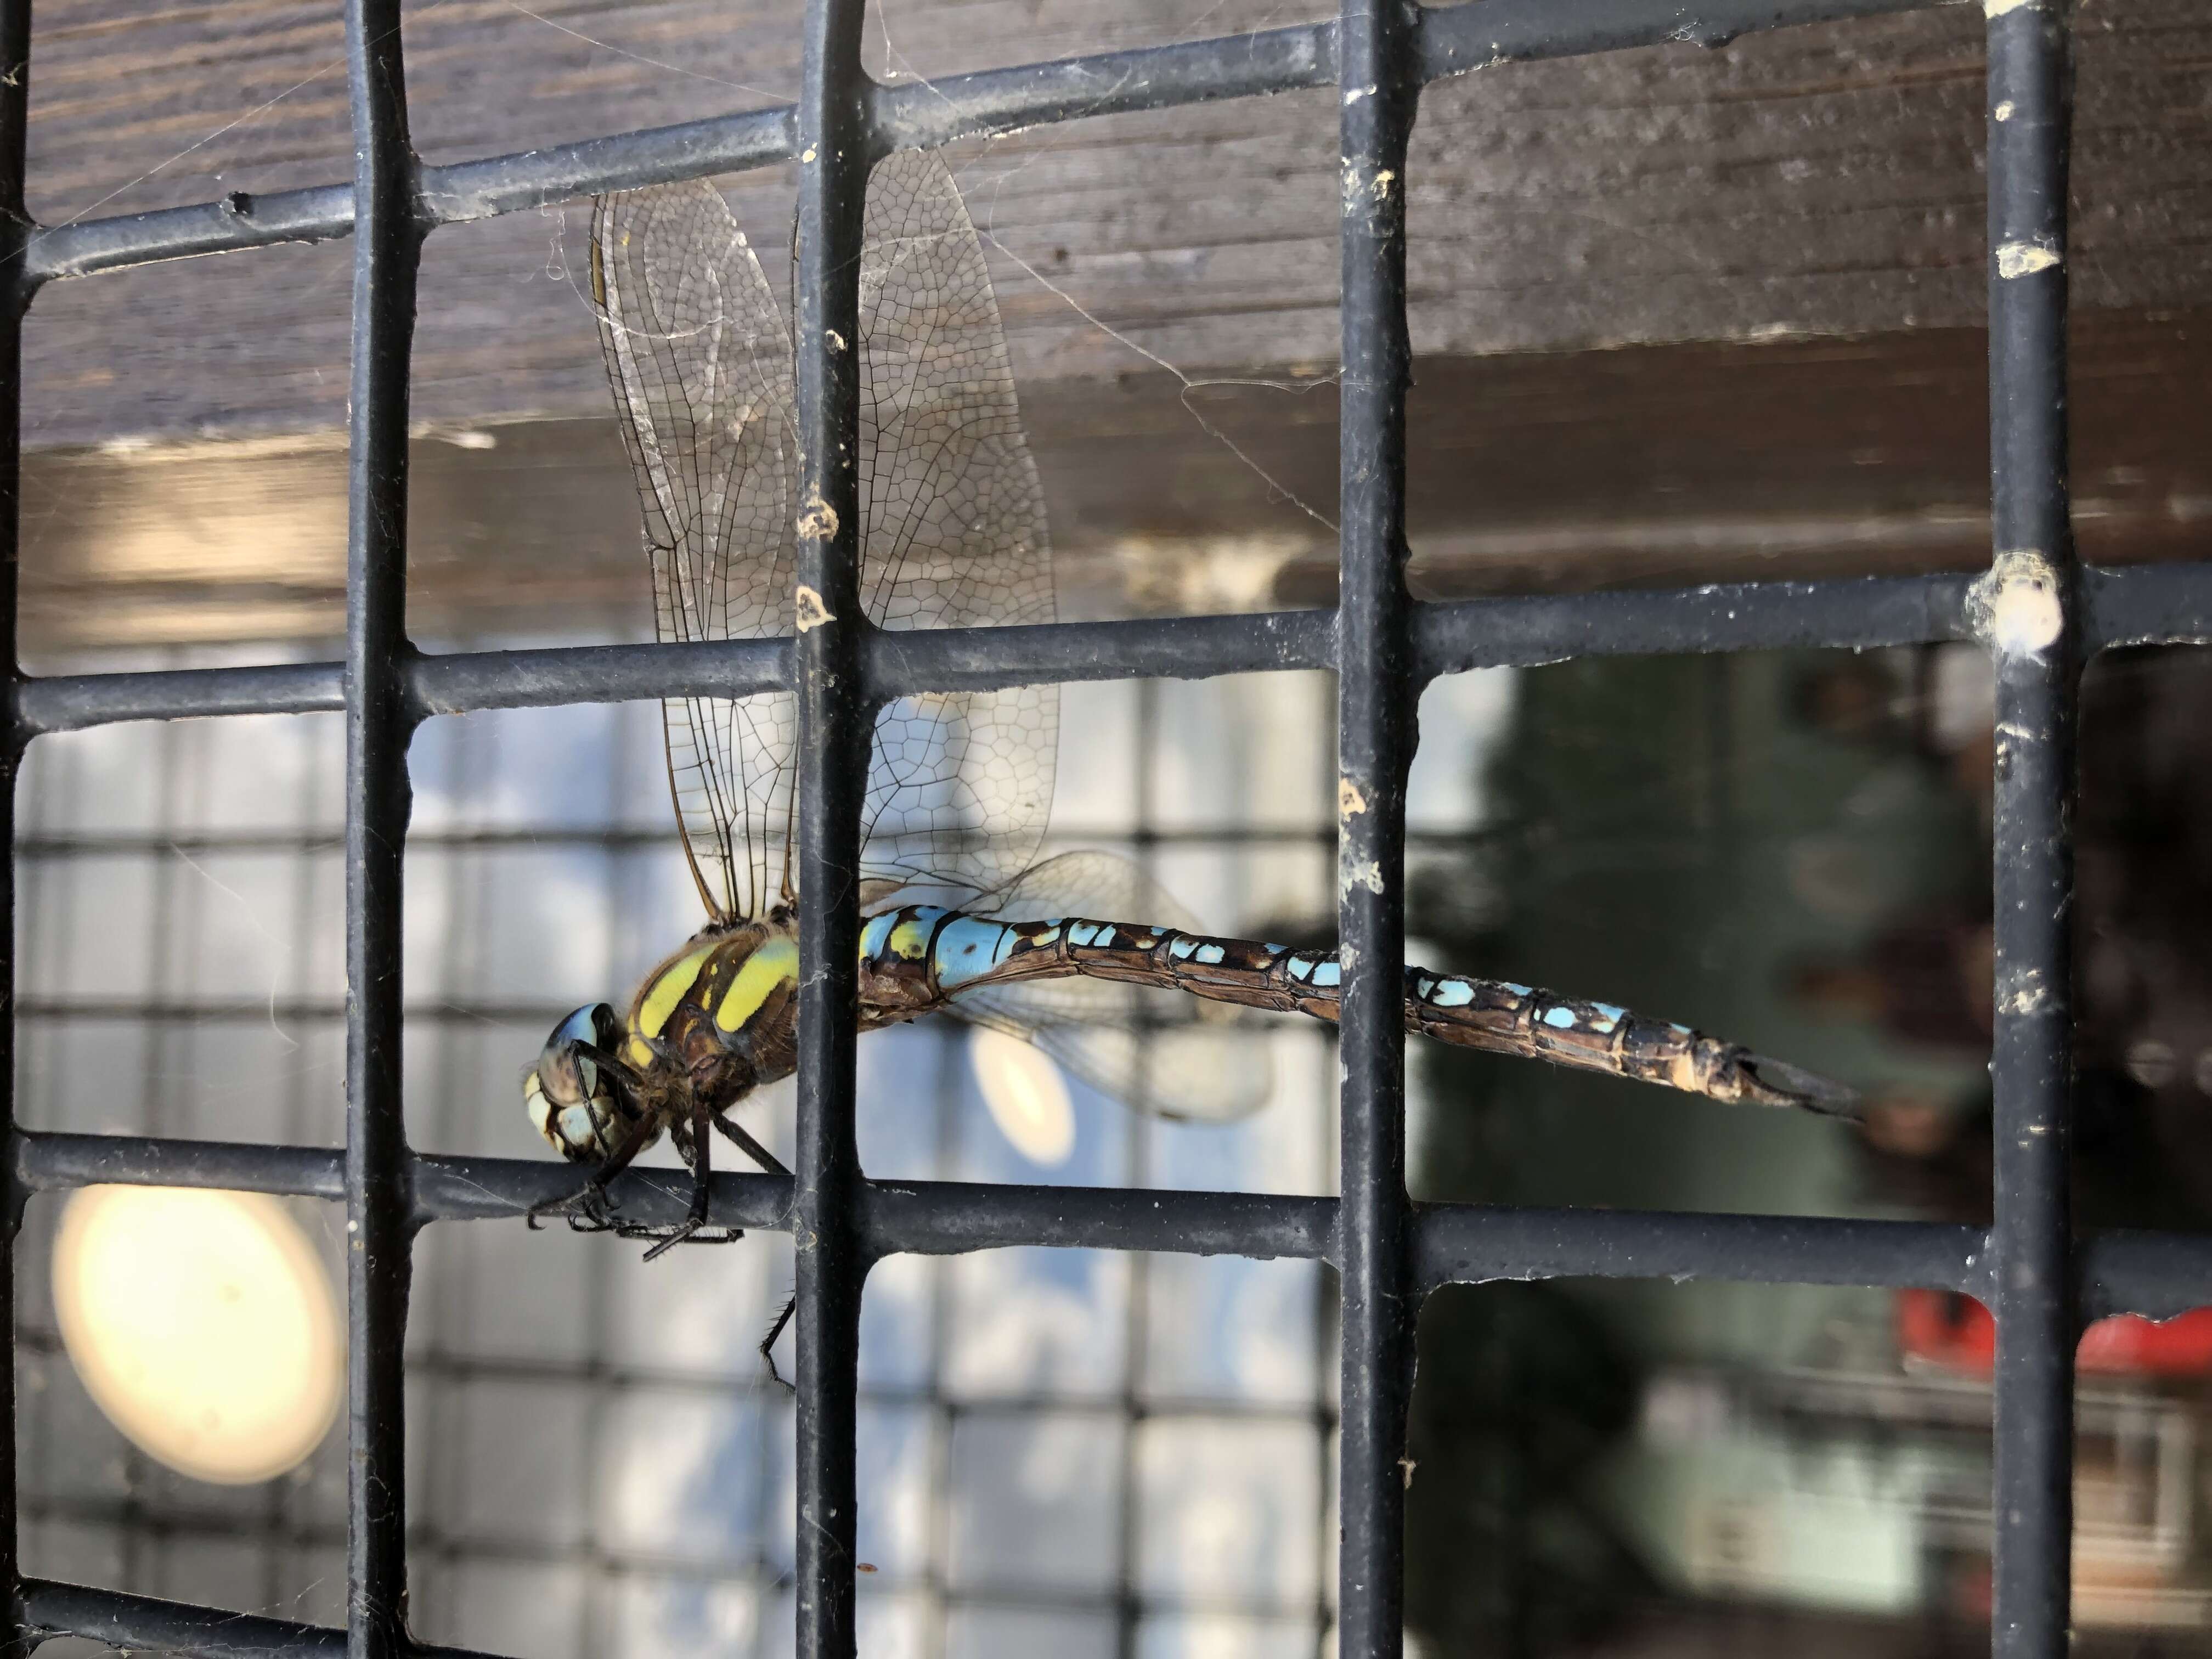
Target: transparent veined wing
(1158,1051)
(700,361)
(952,520)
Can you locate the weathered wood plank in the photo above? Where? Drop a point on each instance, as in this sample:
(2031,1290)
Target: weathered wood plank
(1527,472)
(1822,180)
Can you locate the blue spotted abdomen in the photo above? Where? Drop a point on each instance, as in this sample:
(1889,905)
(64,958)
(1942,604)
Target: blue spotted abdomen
(918,956)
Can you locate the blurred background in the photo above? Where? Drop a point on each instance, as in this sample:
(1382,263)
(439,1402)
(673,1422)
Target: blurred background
(1681,316)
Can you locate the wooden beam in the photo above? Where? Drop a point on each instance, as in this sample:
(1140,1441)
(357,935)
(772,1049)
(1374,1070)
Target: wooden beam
(1529,472)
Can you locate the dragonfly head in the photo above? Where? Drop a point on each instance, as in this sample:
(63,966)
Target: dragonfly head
(572,1093)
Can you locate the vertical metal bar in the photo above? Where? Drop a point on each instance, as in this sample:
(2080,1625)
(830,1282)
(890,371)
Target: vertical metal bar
(387,240)
(1375,694)
(2026,607)
(1137,1144)
(835,724)
(946,1099)
(14,297)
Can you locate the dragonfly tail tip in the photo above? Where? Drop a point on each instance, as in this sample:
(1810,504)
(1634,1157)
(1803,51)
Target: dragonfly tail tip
(1792,1085)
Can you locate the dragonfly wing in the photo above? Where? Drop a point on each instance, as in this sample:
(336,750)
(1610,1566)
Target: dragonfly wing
(955,537)
(1103,886)
(1177,1073)
(1159,1051)
(700,361)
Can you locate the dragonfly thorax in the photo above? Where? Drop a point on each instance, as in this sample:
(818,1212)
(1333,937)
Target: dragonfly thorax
(718,1017)
(706,1027)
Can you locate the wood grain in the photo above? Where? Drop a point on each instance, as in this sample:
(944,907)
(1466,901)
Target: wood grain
(1535,472)
(1823,180)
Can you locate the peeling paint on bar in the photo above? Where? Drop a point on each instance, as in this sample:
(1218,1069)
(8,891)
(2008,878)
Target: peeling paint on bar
(2016,259)
(2015,606)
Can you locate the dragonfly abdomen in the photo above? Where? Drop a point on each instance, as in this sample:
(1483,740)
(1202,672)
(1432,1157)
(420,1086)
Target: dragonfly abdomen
(918,955)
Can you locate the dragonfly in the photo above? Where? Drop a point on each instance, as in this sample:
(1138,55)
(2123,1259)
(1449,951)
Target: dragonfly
(1084,954)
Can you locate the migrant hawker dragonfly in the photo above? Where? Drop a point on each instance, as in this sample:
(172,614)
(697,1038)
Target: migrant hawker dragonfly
(957,918)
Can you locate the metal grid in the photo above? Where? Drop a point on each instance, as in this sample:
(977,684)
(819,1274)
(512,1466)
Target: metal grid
(511,1332)
(2038,612)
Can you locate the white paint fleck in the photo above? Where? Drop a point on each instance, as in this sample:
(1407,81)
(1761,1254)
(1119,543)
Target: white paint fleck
(1350,803)
(1999,8)
(2015,607)
(1368,876)
(818,520)
(1353,94)
(2027,994)
(808,156)
(836,341)
(2003,111)
(812,613)
(1382,182)
(2024,259)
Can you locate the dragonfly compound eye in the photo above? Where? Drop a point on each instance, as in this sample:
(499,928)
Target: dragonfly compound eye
(570,1103)
(595,1023)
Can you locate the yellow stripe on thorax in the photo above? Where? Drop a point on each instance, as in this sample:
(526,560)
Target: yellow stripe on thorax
(776,962)
(666,990)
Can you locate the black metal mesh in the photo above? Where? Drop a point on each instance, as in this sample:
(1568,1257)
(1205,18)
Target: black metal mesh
(597,1454)
(2038,612)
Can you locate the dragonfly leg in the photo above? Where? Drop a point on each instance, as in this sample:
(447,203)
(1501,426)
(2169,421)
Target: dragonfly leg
(752,1148)
(591,1206)
(703,1169)
(767,1342)
(768,1161)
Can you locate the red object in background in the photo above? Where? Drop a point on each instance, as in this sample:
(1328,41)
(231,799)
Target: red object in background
(1957,1333)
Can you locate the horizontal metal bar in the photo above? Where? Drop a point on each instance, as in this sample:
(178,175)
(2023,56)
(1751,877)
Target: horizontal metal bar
(1477,1244)
(921,114)
(637,837)
(315,214)
(462,684)
(292,1014)
(2130,605)
(944,1217)
(71,702)
(1454,40)
(750,1572)
(1854,614)
(2157,1274)
(1166,647)
(49,1162)
(2146,605)
(501,1188)
(561,173)
(141,1623)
